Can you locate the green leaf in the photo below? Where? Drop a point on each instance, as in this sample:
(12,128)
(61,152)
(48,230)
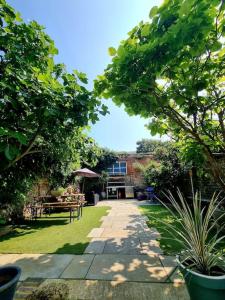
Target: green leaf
(179,100)
(153,128)
(185,7)
(11,152)
(9,11)
(112,51)
(3,131)
(20,137)
(222,52)
(18,17)
(121,50)
(82,76)
(145,30)
(153,11)
(14,134)
(52,49)
(216,46)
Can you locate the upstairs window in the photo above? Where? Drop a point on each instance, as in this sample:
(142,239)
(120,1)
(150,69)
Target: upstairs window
(118,168)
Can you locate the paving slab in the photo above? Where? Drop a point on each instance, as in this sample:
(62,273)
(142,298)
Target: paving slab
(107,224)
(78,267)
(111,233)
(122,268)
(150,246)
(122,246)
(95,232)
(38,265)
(111,290)
(169,263)
(96,246)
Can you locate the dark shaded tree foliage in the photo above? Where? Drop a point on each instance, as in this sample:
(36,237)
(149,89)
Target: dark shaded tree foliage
(166,171)
(105,159)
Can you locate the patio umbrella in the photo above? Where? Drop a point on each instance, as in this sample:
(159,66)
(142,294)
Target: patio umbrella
(85,173)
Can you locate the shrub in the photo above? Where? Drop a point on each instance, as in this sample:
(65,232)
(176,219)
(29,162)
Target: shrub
(51,291)
(198,233)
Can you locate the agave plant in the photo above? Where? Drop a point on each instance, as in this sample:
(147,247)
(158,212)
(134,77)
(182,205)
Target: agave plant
(198,232)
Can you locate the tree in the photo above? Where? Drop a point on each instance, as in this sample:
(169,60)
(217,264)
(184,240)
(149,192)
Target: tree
(148,145)
(105,159)
(41,103)
(171,70)
(166,171)
(44,110)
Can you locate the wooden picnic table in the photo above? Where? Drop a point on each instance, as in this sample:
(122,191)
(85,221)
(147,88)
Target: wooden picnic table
(77,203)
(72,206)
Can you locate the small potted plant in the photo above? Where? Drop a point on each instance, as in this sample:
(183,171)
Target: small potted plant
(9,277)
(201,262)
(57,192)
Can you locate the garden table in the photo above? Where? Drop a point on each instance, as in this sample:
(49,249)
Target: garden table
(78,198)
(69,201)
(68,205)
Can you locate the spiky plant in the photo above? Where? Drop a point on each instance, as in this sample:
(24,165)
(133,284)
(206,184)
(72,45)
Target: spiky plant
(198,232)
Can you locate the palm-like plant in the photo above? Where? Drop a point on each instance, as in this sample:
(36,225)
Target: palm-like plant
(198,232)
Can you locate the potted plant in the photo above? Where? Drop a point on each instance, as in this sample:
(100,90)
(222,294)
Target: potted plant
(104,177)
(9,277)
(201,262)
(57,192)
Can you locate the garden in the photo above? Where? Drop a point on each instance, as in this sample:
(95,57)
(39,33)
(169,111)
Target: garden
(169,70)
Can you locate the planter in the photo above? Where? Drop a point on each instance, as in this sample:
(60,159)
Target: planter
(103,195)
(58,192)
(203,287)
(9,277)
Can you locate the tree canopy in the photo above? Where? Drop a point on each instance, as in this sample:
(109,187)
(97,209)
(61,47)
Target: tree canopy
(44,110)
(41,104)
(171,70)
(166,171)
(148,145)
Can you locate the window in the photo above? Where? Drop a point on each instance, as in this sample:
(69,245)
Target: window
(118,168)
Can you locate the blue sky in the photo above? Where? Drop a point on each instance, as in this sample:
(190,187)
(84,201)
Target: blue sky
(83,30)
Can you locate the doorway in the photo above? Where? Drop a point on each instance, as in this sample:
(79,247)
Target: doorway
(121,193)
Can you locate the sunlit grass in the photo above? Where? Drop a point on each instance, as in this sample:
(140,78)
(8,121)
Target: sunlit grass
(158,216)
(53,234)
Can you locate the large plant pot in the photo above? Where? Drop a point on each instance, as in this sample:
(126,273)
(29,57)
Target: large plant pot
(203,287)
(9,277)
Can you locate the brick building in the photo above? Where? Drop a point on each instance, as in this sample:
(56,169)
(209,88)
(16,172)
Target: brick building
(125,177)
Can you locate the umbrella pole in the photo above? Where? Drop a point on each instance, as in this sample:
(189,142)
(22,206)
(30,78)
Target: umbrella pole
(83,186)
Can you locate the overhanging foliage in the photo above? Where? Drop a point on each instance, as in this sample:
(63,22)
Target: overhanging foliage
(171,70)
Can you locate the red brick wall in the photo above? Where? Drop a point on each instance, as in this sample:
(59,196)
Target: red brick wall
(135,174)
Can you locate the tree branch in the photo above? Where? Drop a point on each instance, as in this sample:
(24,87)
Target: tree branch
(26,152)
(221,121)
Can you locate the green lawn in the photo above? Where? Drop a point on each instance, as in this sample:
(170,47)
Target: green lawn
(53,234)
(158,214)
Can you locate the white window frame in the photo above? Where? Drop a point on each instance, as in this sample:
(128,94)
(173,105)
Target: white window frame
(116,173)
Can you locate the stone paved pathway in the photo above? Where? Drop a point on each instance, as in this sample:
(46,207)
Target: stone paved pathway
(125,248)
(124,231)
(122,250)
